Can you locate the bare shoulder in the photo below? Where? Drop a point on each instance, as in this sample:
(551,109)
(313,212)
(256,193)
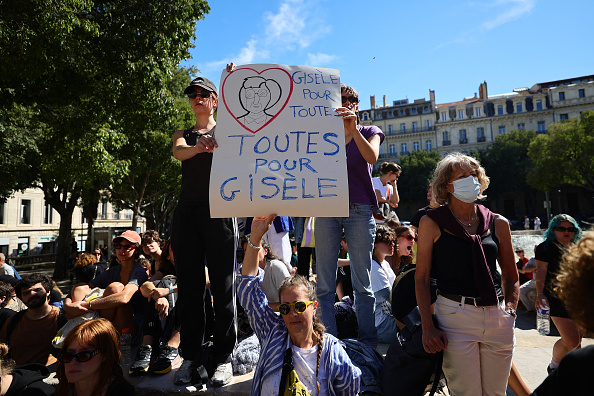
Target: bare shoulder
(501,226)
(178,134)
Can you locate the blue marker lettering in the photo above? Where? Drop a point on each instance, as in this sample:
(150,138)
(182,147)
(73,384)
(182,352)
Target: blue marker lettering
(327,136)
(320,186)
(223,195)
(275,162)
(257,150)
(285,188)
(276,143)
(241,144)
(310,143)
(264,181)
(260,162)
(294,165)
(303,194)
(304,162)
(298,133)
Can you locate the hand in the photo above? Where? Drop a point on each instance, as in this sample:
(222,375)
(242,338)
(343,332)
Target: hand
(74,309)
(162,307)
(434,340)
(541,302)
(259,227)
(206,144)
(159,292)
(230,67)
(349,117)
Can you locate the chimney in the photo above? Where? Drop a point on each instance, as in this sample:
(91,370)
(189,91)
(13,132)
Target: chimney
(372,101)
(384,100)
(483,91)
(432,96)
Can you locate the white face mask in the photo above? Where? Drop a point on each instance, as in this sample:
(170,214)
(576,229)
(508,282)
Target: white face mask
(467,189)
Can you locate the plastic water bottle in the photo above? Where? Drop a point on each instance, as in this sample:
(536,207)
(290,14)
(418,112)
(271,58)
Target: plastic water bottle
(126,348)
(543,319)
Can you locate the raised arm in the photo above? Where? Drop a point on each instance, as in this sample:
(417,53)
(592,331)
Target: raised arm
(250,260)
(509,272)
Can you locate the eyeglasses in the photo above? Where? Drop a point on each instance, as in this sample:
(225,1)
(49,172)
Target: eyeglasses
(519,251)
(409,237)
(351,99)
(97,254)
(119,246)
(202,94)
(568,229)
(300,307)
(84,356)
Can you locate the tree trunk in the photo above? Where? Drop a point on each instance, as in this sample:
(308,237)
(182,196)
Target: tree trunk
(64,237)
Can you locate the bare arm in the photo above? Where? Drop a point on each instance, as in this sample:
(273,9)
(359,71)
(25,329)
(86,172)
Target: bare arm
(369,148)
(183,151)
(395,198)
(509,271)
(250,260)
(114,300)
(433,339)
(539,279)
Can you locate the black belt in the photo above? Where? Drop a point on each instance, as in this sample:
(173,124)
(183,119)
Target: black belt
(476,301)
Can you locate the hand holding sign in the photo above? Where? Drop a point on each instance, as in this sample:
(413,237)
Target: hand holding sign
(281,144)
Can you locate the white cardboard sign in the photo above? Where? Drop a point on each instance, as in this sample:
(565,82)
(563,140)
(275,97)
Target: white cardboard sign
(280,143)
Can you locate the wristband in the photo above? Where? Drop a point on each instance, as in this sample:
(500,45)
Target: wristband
(170,289)
(252,245)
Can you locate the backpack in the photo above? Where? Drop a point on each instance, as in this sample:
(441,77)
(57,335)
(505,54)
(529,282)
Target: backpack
(369,361)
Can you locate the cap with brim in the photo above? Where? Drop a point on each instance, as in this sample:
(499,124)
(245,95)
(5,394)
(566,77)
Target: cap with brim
(130,236)
(203,83)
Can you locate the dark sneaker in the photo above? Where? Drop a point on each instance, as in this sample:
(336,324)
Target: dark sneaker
(183,375)
(164,361)
(143,360)
(222,374)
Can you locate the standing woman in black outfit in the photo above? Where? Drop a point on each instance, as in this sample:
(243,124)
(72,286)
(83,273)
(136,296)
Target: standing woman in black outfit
(197,240)
(563,231)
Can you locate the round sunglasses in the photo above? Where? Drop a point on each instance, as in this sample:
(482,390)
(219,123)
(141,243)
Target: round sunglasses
(568,229)
(202,94)
(300,307)
(409,237)
(84,356)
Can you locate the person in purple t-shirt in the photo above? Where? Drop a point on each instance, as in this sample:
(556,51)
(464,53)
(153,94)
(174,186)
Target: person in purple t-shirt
(362,149)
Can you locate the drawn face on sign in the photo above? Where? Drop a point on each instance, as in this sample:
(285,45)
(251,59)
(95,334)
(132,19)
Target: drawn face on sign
(254,99)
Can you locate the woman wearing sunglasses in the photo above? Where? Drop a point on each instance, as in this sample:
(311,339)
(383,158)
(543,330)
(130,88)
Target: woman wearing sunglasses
(320,361)
(362,150)
(460,245)
(563,231)
(89,362)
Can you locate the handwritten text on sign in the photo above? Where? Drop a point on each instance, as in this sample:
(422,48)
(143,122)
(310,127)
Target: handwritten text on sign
(281,145)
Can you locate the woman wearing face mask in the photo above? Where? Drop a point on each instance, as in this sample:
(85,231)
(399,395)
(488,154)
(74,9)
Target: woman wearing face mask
(460,244)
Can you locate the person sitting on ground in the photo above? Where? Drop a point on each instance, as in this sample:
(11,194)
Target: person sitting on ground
(29,334)
(321,363)
(86,267)
(24,380)
(574,287)
(122,303)
(382,279)
(161,333)
(7,295)
(89,362)
(151,247)
(525,276)
(528,289)
(5,268)
(406,238)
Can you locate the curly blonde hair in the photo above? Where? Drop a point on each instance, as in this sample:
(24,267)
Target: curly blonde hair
(84,260)
(575,280)
(446,167)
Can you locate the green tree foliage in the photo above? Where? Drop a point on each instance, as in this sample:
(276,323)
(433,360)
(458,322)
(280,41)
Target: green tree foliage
(417,171)
(565,155)
(88,75)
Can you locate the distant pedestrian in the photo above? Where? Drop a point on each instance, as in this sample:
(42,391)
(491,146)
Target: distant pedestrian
(536,223)
(526,223)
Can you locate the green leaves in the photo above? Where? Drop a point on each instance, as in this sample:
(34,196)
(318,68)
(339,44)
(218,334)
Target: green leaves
(417,171)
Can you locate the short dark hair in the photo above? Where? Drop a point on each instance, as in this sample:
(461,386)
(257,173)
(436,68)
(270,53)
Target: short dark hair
(29,281)
(6,290)
(151,236)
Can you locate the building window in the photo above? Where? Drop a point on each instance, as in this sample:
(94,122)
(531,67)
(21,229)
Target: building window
(463,139)
(446,138)
(414,126)
(499,110)
(518,107)
(403,128)
(47,214)
(365,117)
(477,111)
(103,210)
(416,146)
(522,126)
(83,217)
(25,211)
(561,95)
(413,110)
(428,145)
(480,134)
(539,105)
(390,129)
(541,128)
(392,149)
(2,209)
(444,116)
(563,117)
(460,114)
(581,93)
(501,130)
(427,125)
(403,149)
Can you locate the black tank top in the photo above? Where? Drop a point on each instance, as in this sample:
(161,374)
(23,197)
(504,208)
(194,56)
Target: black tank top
(453,267)
(195,172)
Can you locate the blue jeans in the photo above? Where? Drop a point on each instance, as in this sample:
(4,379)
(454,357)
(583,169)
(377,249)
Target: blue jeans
(359,229)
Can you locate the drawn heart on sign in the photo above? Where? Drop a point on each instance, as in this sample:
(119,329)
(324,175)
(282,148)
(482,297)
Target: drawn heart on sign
(255,98)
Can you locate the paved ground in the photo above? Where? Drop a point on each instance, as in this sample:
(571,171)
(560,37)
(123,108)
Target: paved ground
(532,355)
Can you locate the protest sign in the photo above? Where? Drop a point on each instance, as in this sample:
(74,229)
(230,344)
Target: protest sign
(280,143)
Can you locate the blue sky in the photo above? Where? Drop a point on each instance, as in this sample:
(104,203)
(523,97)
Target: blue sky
(402,49)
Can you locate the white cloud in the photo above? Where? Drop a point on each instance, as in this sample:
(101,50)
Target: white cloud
(514,9)
(320,59)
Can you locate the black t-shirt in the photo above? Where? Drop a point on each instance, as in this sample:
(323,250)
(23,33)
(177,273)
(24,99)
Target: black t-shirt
(572,377)
(195,172)
(404,296)
(5,313)
(417,217)
(551,252)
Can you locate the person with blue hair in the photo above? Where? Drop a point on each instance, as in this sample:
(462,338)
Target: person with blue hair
(563,231)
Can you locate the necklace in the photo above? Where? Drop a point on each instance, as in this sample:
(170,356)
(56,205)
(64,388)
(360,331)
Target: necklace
(463,223)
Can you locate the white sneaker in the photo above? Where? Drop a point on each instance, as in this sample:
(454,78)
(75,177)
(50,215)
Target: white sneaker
(222,374)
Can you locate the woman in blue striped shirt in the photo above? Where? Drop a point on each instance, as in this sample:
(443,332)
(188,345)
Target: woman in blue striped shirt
(319,359)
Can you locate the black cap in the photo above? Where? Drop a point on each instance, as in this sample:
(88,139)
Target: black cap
(203,83)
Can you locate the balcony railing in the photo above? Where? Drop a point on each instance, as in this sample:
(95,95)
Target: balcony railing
(481,139)
(446,143)
(463,140)
(417,129)
(403,153)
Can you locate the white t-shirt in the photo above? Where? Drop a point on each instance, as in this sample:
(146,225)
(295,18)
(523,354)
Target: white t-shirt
(385,191)
(304,362)
(382,277)
(275,272)
(6,269)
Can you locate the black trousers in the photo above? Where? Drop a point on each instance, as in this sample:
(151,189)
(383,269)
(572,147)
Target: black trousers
(197,239)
